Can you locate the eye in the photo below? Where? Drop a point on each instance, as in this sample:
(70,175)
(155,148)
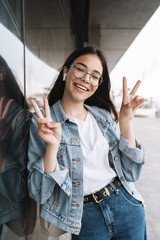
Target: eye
(80,69)
(95,77)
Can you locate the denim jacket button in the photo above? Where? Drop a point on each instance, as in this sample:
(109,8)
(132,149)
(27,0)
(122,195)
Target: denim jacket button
(76,205)
(76,159)
(122,178)
(76,183)
(116,158)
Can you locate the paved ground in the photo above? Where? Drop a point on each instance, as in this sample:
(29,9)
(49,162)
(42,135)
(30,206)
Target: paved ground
(148,132)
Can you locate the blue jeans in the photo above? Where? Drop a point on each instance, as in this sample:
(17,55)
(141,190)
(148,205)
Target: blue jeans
(118,217)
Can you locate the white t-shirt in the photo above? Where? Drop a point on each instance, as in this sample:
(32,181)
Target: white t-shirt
(96,170)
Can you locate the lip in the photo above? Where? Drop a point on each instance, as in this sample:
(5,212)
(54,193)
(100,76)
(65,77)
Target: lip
(80,89)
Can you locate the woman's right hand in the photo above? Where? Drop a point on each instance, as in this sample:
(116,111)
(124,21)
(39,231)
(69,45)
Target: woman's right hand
(49,131)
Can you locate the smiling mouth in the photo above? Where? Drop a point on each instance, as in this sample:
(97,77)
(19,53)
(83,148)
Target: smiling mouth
(81,87)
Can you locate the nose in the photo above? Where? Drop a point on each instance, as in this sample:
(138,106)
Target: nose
(86,78)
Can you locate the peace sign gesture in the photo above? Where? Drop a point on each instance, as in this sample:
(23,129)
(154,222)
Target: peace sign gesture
(49,131)
(130,102)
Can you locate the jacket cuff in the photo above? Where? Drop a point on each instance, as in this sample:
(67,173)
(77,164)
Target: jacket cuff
(60,175)
(135,154)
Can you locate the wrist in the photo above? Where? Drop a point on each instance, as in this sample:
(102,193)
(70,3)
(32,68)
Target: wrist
(123,118)
(125,123)
(126,129)
(52,146)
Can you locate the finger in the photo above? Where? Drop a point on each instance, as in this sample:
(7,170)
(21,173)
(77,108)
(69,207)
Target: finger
(46,107)
(125,88)
(36,108)
(134,90)
(7,108)
(45,129)
(53,125)
(134,104)
(41,120)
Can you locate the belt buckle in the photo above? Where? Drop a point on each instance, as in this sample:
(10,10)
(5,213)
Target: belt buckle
(106,193)
(95,197)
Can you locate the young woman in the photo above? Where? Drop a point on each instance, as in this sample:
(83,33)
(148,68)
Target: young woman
(81,167)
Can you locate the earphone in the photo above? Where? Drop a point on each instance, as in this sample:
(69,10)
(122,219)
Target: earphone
(64,77)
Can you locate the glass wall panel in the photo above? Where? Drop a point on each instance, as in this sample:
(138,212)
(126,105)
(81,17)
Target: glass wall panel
(14,124)
(48,43)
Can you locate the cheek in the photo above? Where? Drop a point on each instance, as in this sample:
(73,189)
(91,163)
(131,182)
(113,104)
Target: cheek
(92,92)
(68,81)
(69,78)
(94,89)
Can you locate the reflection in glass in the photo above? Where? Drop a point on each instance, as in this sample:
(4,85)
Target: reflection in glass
(14,121)
(17,210)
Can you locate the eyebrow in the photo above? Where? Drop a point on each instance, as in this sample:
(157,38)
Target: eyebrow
(84,65)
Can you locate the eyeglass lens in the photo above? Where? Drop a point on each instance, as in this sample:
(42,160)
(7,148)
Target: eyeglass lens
(81,71)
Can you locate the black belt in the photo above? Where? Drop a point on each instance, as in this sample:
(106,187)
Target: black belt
(98,196)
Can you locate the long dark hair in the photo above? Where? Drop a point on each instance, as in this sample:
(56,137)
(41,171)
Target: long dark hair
(101,98)
(11,86)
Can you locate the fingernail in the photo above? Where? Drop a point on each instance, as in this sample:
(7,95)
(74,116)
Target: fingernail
(141,100)
(50,131)
(48,123)
(135,107)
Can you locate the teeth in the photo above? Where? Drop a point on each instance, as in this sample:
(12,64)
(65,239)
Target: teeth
(81,87)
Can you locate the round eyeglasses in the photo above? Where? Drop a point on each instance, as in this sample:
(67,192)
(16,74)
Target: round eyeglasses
(80,71)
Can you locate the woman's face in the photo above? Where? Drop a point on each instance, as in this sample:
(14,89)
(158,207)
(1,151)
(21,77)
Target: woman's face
(79,89)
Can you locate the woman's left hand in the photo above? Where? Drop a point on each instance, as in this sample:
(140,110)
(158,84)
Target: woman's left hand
(130,101)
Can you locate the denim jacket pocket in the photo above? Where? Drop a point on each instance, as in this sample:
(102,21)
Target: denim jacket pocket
(55,205)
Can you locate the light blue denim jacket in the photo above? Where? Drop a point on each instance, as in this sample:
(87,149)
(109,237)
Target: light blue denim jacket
(61,192)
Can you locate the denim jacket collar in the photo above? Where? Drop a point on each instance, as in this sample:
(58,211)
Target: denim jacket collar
(99,114)
(61,116)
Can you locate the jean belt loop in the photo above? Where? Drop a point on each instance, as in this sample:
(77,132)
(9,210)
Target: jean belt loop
(115,189)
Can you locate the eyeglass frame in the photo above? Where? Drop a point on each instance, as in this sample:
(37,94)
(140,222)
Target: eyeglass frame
(89,75)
